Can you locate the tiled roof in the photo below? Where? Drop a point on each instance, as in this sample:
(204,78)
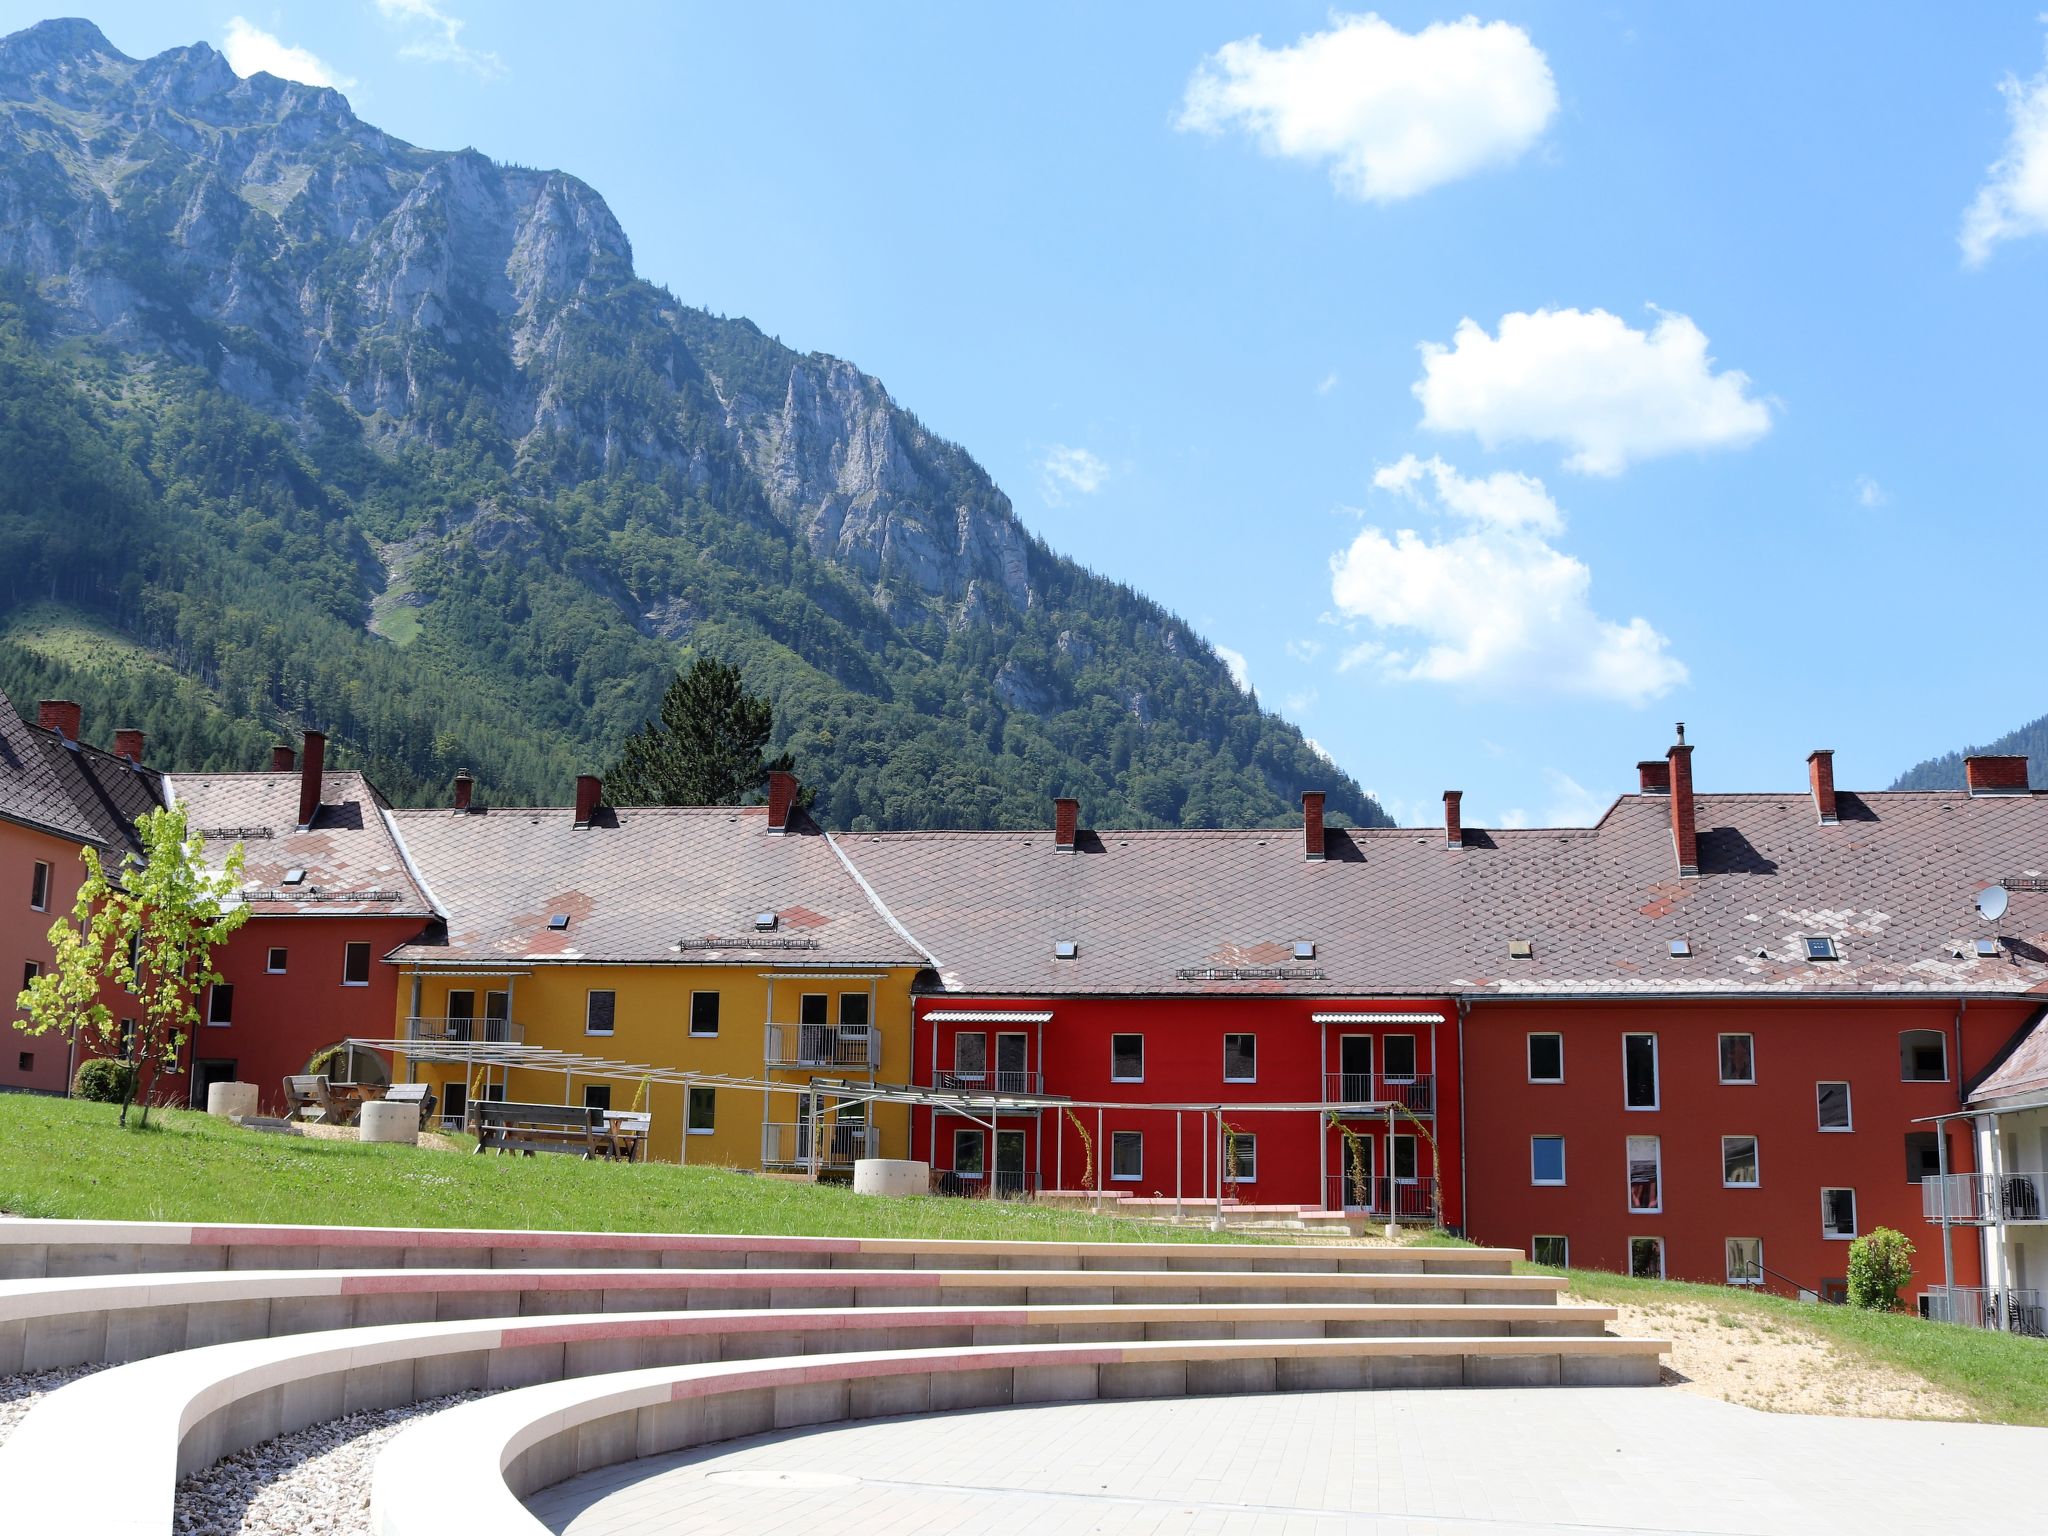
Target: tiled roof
(2022,1073)
(70,789)
(31,792)
(353,865)
(1394,912)
(657,884)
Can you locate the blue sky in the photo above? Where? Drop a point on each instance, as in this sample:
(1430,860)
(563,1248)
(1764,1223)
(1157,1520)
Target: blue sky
(1500,390)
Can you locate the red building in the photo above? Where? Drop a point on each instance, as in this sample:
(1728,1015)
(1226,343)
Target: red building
(1170,977)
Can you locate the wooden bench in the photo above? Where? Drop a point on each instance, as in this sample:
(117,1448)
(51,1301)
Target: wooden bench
(306,1098)
(421,1094)
(502,1125)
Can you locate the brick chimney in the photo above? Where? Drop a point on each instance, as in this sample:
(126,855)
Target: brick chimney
(128,744)
(61,716)
(1454,820)
(1312,838)
(589,796)
(782,788)
(464,785)
(1820,775)
(1653,776)
(1066,823)
(1685,839)
(283,759)
(313,764)
(1988,774)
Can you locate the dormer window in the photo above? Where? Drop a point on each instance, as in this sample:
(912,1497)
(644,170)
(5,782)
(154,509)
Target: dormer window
(1820,946)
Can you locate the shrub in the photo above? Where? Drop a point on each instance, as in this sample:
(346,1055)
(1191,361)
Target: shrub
(104,1080)
(333,1062)
(1880,1262)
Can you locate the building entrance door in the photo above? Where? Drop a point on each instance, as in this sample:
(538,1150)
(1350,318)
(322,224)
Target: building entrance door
(1009,1171)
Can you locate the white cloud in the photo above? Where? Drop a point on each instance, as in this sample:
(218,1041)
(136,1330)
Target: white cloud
(435,37)
(250,50)
(1300,703)
(1502,500)
(1394,113)
(2014,198)
(1493,604)
(1329,383)
(1321,751)
(1588,381)
(1067,469)
(1304,650)
(1869,493)
(1571,803)
(1240,674)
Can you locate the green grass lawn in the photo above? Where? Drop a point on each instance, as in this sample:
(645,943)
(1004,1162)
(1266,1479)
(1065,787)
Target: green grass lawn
(69,1159)
(2004,1378)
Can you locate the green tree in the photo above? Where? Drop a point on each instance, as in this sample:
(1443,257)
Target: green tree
(706,747)
(153,932)
(1880,1262)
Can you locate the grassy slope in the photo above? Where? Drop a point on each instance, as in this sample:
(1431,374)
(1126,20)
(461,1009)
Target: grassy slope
(64,635)
(70,1159)
(2002,1377)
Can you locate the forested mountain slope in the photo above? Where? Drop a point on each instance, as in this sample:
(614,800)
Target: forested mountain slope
(329,429)
(1946,771)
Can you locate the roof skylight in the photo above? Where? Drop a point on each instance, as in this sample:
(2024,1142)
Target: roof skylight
(1986,948)
(295,877)
(764,920)
(1065,949)
(1680,948)
(1820,946)
(1521,949)
(559,921)
(1304,949)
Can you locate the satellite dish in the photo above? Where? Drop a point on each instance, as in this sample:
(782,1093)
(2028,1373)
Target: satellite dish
(1991,903)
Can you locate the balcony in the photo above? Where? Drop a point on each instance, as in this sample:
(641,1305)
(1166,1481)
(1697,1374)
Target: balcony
(465,1030)
(1405,1200)
(1976,1306)
(823,1045)
(827,1147)
(986,1083)
(1414,1093)
(1984,1199)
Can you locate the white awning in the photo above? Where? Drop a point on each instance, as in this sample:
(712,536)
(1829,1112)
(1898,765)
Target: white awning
(987,1016)
(1377,1018)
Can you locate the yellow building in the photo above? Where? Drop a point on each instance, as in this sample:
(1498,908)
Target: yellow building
(726,942)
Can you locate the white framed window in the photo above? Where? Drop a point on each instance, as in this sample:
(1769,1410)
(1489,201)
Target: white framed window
(39,887)
(1645,1175)
(1244,1155)
(276,960)
(1404,1160)
(1923,1056)
(703,1109)
(1126,1155)
(1745,1261)
(1546,1159)
(1838,1214)
(1552,1249)
(704,1014)
(1738,1058)
(220,1004)
(1639,1071)
(1240,1058)
(355,965)
(970,1056)
(1739,1167)
(1831,1106)
(600,1011)
(970,1149)
(1646,1258)
(1546,1058)
(1127,1058)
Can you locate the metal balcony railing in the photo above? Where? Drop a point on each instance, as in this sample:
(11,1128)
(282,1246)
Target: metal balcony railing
(822,1045)
(999,1185)
(1415,1093)
(1398,1199)
(824,1146)
(465,1030)
(1984,1199)
(999,1081)
(1977,1306)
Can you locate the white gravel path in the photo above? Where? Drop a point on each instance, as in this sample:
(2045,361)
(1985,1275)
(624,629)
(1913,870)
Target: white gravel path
(19,1393)
(312,1483)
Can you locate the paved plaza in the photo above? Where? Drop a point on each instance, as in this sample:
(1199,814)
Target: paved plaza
(1587,1461)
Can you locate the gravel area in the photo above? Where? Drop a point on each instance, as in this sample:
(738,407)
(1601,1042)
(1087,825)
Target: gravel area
(313,1483)
(20,1393)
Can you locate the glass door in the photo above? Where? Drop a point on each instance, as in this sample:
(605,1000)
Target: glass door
(1010,1055)
(1354,1061)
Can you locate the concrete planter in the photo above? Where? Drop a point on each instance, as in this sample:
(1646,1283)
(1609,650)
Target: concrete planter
(384,1121)
(891,1176)
(231,1101)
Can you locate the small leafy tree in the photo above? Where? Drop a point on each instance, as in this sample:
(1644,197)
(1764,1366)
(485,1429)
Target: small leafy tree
(152,931)
(1880,1262)
(706,747)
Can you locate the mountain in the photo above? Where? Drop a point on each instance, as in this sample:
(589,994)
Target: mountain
(1946,771)
(301,423)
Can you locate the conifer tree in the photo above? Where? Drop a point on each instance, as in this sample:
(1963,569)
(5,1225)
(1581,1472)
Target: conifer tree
(706,747)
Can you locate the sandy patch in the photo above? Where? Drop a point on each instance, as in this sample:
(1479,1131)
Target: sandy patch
(433,1141)
(1762,1363)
